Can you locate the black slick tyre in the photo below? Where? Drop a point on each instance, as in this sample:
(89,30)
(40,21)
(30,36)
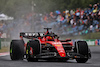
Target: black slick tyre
(36,46)
(81,47)
(17,50)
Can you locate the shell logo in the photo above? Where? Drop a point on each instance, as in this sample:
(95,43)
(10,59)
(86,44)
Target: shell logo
(58,45)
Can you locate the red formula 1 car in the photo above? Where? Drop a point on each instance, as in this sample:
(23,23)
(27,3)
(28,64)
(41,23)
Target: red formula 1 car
(48,46)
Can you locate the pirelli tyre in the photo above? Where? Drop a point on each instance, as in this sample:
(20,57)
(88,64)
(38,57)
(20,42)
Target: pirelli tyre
(17,50)
(36,48)
(81,48)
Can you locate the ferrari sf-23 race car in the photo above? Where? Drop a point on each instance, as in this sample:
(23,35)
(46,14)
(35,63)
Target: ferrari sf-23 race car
(48,46)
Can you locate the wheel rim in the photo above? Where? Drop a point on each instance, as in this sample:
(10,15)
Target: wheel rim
(11,55)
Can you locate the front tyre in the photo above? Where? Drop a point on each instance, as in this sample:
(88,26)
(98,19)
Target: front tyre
(36,47)
(81,48)
(17,50)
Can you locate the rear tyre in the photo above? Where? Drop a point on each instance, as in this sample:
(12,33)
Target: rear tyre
(17,50)
(36,46)
(81,47)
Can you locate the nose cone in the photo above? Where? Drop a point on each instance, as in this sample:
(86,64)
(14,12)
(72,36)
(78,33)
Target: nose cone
(62,55)
(60,49)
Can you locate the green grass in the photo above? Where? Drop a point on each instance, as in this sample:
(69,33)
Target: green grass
(4,49)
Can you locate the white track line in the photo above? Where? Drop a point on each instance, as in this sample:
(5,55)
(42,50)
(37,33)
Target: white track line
(4,54)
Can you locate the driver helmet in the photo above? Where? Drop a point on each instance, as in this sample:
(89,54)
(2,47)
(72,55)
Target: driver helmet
(49,38)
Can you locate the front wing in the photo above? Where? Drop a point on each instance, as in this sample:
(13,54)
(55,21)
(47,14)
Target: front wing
(55,55)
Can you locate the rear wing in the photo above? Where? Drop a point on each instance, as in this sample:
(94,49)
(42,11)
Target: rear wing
(31,34)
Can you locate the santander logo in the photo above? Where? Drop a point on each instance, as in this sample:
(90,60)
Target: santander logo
(56,43)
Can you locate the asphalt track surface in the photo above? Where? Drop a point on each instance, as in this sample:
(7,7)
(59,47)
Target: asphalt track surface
(5,61)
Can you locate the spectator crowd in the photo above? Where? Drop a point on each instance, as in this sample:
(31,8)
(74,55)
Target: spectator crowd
(70,22)
(76,22)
